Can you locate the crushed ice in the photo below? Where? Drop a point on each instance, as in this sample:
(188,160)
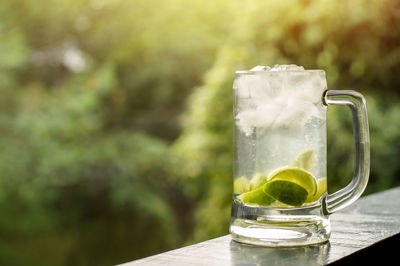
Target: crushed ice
(290,67)
(277,67)
(260,68)
(288,98)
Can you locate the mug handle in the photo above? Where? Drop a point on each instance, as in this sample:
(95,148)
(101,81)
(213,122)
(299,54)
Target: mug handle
(347,195)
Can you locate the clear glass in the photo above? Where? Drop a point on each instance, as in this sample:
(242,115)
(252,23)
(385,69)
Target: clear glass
(356,102)
(280,182)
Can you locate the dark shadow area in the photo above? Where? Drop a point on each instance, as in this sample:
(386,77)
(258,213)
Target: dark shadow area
(383,252)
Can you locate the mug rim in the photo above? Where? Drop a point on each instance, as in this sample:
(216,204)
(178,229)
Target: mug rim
(252,72)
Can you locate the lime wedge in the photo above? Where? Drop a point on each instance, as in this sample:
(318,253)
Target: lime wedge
(306,160)
(322,188)
(298,176)
(241,185)
(286,192)
(257,181)
(256,196)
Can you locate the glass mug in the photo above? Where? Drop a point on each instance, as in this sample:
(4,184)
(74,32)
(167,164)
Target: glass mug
(280,188)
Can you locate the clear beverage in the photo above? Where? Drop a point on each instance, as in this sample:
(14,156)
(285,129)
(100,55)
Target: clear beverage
(280,157)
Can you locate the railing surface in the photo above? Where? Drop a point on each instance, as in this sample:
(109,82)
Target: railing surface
(369,228)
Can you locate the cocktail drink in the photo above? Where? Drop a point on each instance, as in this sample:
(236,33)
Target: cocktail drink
(280,181)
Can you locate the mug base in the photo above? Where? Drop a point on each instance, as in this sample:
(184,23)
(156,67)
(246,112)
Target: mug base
(278,235)
(279,227)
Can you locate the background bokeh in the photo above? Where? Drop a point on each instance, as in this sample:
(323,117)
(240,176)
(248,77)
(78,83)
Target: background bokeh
(116,116)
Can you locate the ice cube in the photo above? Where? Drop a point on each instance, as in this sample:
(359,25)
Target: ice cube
(277,112)
(240,85)
(291,67)
(284,96)
(256,87)
(247,120)
(295,114)
(260,68)
(261,118)
(305,84)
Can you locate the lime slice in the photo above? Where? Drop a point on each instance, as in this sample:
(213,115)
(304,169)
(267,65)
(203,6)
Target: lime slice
(257,181)
(286,192)
(241,185)
(298,176)
(256,196)
(306,160)
(322,188)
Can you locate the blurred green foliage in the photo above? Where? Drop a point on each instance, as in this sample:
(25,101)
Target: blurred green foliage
(115,116)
